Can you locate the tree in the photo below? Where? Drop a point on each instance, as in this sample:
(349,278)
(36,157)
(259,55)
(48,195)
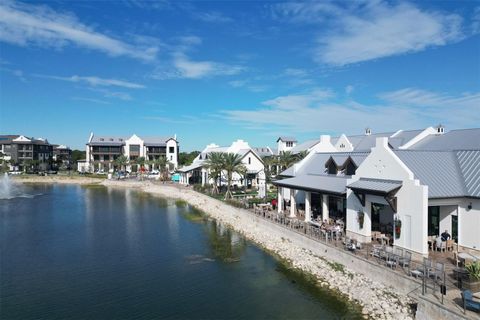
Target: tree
(215,163)
(77,155)
(186,158)
(162,164)
(286,159)
(269,162)
(232,163)
(301,155)
(121,162)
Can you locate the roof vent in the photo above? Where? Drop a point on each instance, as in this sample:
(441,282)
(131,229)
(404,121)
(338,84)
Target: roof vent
(101,139)
(368,131)
(440,129)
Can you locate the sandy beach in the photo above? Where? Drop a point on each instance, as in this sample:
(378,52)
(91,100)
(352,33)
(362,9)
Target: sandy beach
(54,178)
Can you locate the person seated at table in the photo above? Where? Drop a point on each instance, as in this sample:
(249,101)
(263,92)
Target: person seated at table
(274,203)
(446,236)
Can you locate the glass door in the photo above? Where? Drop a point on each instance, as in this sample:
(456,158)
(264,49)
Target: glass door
(434,221)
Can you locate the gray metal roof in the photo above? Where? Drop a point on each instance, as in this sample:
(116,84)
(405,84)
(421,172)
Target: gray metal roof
(403,137)
(107,141)
(287,173)
(465,139)
(316,163)
(191,167)
(376,185)
(311,182)
(287,139)
(439,170)
(155,141)
(469,163)
(263,151)
(304,146)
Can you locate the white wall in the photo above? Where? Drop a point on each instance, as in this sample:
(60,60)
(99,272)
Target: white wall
(412,198)
(469,224)
(343,144)
(172,156)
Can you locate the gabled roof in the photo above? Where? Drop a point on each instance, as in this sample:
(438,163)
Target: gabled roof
(304,146)
(464,139)
(193,166)
(469,163)
(287,139)
(155,141)
(263,151)
(439,170)
(107,141)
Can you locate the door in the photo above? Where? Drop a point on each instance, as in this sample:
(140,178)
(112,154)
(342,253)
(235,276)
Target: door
(434,221)
(455,228)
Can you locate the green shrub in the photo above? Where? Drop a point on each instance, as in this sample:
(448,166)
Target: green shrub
(473,269)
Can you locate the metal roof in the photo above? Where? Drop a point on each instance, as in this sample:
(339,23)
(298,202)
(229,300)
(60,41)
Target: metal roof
(289,139)
(304,146)
(107,141)
(263,151)
(439,170)
(191,167)
(312,182)
(469,163)
(155,141)
(465,139)
(376,185)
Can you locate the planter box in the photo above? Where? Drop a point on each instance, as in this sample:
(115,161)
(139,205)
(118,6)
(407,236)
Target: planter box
(472,285)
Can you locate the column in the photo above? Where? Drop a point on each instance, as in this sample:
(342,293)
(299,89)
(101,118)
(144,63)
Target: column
(293,205)
(203,177)
(280,200)
(308,209)
(325,213)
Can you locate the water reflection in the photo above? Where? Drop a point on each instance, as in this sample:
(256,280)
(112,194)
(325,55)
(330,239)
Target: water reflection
(225,244)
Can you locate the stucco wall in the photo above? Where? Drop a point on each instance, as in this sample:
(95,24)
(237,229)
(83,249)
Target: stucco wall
(469,224)
(412,199)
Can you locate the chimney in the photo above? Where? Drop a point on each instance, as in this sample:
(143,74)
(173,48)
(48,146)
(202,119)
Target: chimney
(440,129)
(368,131)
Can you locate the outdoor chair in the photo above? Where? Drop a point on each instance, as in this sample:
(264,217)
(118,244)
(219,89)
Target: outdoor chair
(468,302)
(441,245)
(376,251)
(392,261)
(406,259)
(398,251)
(437,273)
(449,245)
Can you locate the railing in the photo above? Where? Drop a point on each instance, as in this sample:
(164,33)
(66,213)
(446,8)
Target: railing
(433,276)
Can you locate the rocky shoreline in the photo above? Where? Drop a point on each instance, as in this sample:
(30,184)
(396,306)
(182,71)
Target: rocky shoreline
(375,299)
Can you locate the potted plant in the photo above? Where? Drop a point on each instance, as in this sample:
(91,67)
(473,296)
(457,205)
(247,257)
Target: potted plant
(360,218)
(473,281)
(398,228)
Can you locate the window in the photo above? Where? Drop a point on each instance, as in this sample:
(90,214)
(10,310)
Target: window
(171,149)
(342,146)
(289,143)
(101,139)
(249,160)
(135,148)
(332,168)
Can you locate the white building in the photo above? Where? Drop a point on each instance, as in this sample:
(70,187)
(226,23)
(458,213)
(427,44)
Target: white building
(101,151)
(428,183)
(285,144)
(197,172)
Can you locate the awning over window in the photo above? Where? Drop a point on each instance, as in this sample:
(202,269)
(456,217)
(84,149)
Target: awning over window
(316,183)
(379,187)
(375,186)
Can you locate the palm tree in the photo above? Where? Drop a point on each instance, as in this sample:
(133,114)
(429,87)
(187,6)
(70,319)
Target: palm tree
(286,159)
(232,163)
(162,164)
(121,162)
(215,164)
(301,155)
(141,162)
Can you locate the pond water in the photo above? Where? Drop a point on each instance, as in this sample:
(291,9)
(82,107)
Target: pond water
(74,252)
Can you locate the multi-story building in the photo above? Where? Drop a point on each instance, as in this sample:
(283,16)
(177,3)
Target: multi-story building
(62,156)
(102,151)
(25,153)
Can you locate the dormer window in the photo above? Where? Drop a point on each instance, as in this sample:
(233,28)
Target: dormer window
(200,157)
(111,139)
(332,168)
(289,143)
(349,167)
(342,146)
(206,156)
(440,129)
(120,139)
(101,139)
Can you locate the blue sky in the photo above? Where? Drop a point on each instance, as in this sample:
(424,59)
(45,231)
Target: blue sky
(215,71)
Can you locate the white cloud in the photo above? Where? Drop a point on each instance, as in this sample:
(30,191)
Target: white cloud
(349,89)
(423,98)
(25,24)
(213,16)
(97,101)
(96,81)
(318,111)
(361,32)
(186,68)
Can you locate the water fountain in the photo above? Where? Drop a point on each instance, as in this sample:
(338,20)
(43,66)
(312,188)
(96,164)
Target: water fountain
(9,189)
